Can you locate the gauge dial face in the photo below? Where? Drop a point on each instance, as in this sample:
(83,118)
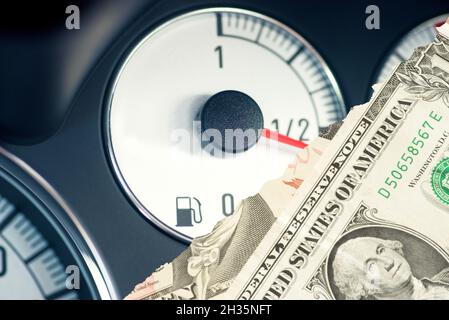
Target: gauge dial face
(421,35)
(215,59)
(38,258)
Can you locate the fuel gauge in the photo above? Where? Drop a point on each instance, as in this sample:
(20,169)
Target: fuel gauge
(204,72)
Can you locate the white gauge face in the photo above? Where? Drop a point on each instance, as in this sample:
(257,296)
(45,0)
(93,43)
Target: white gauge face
(419,36)
(38,259)
(29,267)
(154,136)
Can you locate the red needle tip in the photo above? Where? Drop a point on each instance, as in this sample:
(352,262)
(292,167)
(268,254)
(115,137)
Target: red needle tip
(440,23)
(269,134)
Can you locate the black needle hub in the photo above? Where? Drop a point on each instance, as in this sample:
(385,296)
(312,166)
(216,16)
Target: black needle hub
(232,121)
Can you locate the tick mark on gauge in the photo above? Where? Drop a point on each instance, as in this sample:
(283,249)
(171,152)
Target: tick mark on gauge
(253,26)
(325,87)
(262,26)
(270,31)
(245,22)
(237,20)
(295,55)
(8,219)
(276,36)
(35,255)
(219,24)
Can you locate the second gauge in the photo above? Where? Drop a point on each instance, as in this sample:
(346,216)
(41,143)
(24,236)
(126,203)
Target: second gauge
(217,68)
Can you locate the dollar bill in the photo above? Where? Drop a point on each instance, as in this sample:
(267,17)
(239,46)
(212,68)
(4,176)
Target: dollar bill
(372,219)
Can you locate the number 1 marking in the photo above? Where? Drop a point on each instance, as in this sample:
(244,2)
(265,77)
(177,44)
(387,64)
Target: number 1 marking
(219,49)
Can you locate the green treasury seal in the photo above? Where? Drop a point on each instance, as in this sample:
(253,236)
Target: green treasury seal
(440,180)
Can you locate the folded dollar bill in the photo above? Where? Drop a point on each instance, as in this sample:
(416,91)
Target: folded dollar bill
(372,219)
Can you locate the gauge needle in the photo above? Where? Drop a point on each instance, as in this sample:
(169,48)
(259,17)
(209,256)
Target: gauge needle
(269,134)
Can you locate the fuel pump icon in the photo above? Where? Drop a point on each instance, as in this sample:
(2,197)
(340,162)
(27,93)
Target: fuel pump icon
(185,214)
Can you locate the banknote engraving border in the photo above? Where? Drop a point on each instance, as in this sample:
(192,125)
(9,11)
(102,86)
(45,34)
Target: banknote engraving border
(319,285)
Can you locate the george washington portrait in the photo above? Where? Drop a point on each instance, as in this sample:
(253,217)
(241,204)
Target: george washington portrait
(382,268)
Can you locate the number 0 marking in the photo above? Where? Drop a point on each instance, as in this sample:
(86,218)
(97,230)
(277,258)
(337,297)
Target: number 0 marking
(2,261)
(227,206)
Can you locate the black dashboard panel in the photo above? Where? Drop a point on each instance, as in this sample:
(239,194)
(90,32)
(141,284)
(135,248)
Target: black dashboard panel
(55,85)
